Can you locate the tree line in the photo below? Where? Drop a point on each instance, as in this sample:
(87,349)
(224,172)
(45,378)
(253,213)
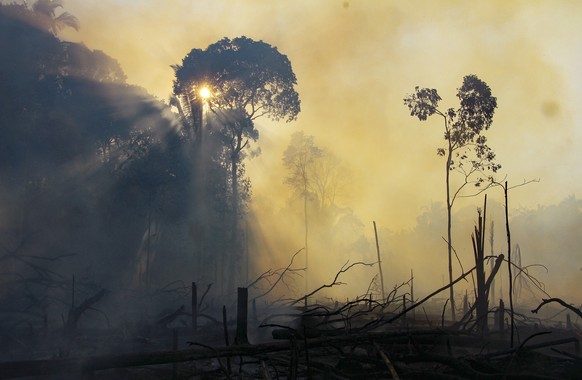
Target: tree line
(101,179)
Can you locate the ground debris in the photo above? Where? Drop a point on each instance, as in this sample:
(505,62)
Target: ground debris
(396,354)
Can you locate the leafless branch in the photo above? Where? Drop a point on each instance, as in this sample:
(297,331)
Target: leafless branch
(335,282)
(561,302)
(281,275)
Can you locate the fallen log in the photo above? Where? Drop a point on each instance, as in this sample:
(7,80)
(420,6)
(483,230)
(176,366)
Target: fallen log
(536,346)
(16,369)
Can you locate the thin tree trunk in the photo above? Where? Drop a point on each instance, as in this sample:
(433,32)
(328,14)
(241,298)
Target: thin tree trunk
(306,234)
(449,234)
(234,179)
(233,264)
(512,320)
(491,243)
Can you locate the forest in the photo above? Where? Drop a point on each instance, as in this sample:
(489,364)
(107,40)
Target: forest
(132,246)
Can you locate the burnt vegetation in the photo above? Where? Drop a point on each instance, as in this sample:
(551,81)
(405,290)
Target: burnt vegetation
(123,232)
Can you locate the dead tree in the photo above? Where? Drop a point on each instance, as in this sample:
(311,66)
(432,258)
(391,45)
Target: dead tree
(478,239)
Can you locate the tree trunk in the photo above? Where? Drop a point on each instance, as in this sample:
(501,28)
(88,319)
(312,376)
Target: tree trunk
(234,249)
(479,250)
(511,316)
(491,243)
(306,234)
(449,234)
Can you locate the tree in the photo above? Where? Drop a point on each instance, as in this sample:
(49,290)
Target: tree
(300,159)
(87,162)
(46,12)
(330,178)
(245,79)
(466,150)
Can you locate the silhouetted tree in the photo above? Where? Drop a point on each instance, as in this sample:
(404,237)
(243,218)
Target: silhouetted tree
(466,150)
(246,79)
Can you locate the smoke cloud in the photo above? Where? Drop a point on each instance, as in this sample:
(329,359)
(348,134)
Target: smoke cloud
(355,61)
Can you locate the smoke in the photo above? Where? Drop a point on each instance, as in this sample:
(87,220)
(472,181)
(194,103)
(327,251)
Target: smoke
(355,61)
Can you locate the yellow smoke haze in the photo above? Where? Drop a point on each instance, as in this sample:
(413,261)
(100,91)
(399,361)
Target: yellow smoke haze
(355,61)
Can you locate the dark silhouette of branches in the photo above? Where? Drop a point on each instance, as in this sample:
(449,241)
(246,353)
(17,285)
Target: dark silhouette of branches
(335,281)
(280,273)
(76,312)
(561,302)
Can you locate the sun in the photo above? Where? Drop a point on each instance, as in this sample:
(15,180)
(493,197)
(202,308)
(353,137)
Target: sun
(204,92)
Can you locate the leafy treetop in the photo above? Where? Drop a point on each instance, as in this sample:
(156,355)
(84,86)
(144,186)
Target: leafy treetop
(243,75)
(465,125)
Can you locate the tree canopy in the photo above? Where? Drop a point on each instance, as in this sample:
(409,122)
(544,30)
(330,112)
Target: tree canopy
(241,74)
(465,125)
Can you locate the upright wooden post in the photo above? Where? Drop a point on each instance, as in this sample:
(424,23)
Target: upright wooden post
(379,263)
(403,309)
(241,316)
(412,293)
(194,308)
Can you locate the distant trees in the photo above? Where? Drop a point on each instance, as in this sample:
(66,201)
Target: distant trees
(316,176)
(299,159)
(466,151)
(245,79)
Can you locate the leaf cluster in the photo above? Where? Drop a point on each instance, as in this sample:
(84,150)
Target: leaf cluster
(464,126)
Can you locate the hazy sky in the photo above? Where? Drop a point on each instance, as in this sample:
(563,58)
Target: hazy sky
(356,60)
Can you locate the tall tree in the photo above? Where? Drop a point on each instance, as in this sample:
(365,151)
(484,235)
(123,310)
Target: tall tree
(300,159)
(245,79)
(466,150)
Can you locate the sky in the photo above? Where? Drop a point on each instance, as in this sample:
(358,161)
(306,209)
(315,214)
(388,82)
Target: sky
(356,60)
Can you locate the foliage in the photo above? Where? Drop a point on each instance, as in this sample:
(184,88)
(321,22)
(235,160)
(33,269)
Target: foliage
(85,159)
(42,15)
(299,159)
(241,74)
(464,126)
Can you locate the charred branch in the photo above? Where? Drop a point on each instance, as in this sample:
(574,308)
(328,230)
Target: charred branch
(561,302)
